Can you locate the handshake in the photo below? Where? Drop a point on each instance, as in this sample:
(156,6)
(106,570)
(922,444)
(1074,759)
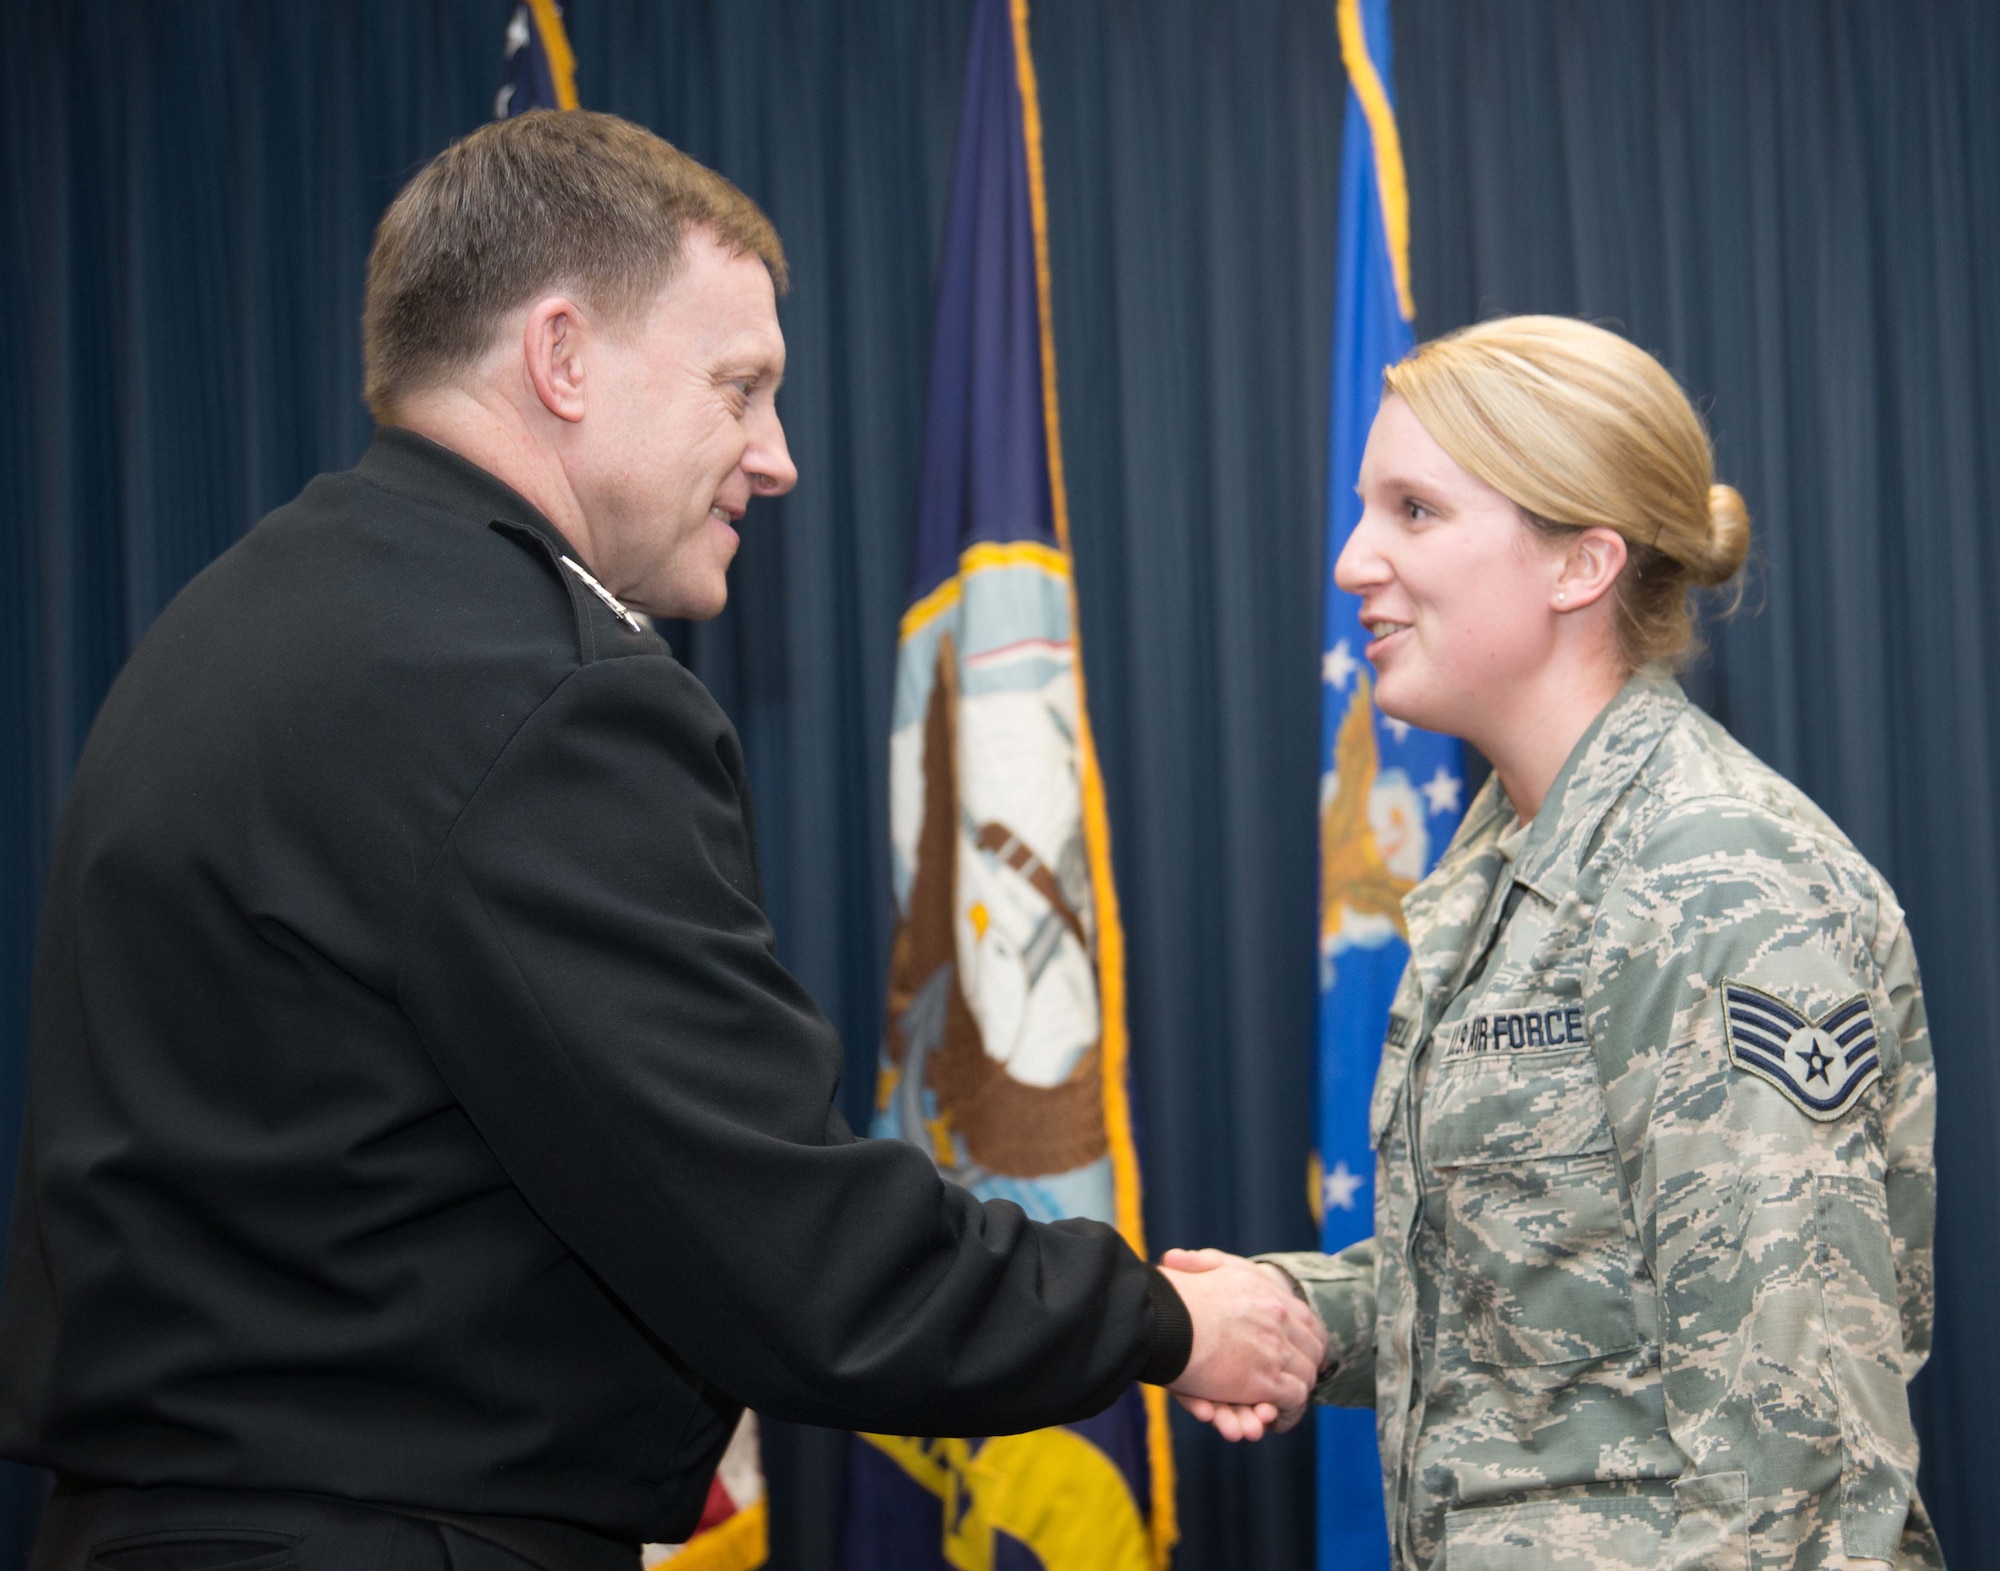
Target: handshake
(1258,1347)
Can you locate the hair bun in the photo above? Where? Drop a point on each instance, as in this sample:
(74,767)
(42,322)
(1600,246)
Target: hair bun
(1728,538)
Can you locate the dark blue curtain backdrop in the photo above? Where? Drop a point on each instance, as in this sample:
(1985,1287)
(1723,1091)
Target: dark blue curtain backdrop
(1798,207)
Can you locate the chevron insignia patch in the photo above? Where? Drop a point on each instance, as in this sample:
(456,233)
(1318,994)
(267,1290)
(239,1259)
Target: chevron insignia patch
(1823,1065)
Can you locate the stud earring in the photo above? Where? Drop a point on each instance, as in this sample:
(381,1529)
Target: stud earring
(1561,598)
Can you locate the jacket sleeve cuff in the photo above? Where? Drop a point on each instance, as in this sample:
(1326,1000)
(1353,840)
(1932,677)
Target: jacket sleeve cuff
(1171,1329)
(1341,1290)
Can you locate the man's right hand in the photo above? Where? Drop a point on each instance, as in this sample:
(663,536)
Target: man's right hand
(1257,1348)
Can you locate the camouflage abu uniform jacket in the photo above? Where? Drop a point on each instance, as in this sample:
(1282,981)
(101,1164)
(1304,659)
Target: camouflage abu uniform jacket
(1654,1189)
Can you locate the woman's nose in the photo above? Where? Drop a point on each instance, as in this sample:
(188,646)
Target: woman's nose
(1360,566)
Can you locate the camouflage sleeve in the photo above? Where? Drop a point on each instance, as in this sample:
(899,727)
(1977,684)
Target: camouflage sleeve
(1910,1155)
(1341,1289)
(1753,1005)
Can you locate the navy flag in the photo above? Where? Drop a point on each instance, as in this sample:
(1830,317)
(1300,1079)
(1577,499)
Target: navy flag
(1004,1052)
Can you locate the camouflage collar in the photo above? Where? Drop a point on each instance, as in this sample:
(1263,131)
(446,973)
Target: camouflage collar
(1600,767)
(1483,827)
(1441,914)
(1448,914)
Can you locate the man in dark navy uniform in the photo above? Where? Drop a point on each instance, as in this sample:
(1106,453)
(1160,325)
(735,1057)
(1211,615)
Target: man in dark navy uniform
(426,1153)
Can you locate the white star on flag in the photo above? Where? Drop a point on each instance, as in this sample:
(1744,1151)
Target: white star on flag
(1441,791)
(1337,665)
(1399,729)
(1340,1186)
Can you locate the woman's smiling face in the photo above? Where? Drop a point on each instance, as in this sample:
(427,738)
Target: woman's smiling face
(1457,591)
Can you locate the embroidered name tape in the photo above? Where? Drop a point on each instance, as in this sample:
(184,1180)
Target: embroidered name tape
(1514,1031)
(1823,1065)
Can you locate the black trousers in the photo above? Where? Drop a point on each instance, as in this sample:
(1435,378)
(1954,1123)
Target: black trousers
(174,1529)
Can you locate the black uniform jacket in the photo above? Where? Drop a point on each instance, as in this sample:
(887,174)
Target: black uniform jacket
(418,1113)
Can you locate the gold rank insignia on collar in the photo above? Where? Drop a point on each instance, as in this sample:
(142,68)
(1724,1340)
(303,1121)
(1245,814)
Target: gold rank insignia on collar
(617,605)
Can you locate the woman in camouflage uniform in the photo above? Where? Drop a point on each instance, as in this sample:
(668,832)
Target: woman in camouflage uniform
(1653,1211)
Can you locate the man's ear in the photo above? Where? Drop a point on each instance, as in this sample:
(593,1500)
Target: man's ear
(553,341)
(1591,564)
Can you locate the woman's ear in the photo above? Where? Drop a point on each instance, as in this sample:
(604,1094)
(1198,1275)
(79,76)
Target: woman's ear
(1592,561)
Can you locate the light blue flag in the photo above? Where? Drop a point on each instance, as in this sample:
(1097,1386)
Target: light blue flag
(1390,796)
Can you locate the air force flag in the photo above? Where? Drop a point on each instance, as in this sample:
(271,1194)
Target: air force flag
(1390,796)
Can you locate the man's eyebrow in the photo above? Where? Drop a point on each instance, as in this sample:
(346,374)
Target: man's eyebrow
(750,359)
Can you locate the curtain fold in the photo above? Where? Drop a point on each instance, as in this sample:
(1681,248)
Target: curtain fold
(1797,207)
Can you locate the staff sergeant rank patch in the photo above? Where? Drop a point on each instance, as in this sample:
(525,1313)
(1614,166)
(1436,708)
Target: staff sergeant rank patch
(1823,1065)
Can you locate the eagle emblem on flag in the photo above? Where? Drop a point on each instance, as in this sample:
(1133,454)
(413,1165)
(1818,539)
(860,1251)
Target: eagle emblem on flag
(1822,1065)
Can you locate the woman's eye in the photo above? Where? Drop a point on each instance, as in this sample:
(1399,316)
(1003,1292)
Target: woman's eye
(1415,510)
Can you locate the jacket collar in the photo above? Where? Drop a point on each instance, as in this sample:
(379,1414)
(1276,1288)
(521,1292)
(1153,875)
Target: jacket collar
(1450,915)
(1602,765)
(1442,913)
(432,475)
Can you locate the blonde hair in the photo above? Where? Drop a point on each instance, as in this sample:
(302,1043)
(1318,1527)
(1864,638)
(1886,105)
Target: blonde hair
(1581,429)
(550,200)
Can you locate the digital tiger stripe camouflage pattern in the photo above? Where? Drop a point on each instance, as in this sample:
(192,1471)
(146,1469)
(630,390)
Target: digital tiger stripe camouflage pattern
(1631,1301)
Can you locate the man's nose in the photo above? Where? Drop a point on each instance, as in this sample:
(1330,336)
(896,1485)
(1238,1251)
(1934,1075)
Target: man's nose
(768,461)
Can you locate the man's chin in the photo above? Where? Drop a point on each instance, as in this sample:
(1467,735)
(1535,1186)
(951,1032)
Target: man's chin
(688,603)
